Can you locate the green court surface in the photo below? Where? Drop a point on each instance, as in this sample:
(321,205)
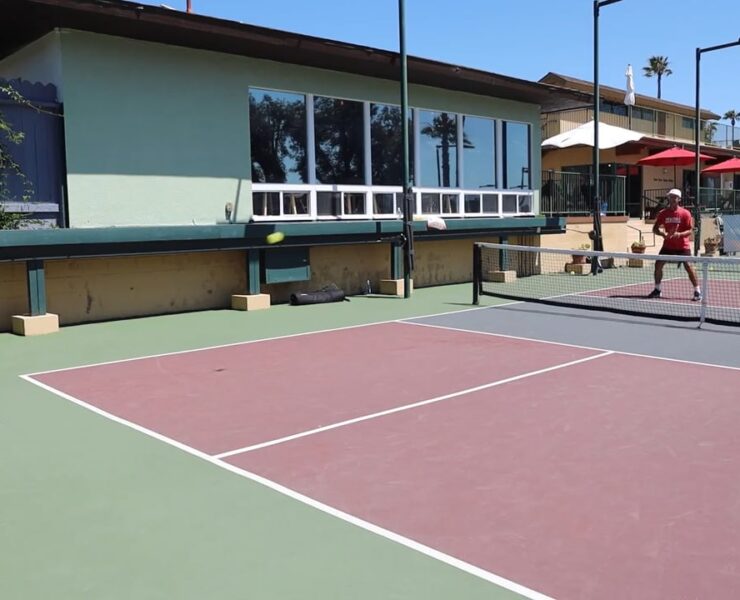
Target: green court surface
(92,509)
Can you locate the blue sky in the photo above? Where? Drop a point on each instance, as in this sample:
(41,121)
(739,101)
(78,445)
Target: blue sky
(528,38)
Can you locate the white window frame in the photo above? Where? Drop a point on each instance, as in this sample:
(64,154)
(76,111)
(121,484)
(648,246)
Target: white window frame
(369,213)
(312,188)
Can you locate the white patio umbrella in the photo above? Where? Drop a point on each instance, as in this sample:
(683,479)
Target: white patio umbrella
(609,137)
(629,97)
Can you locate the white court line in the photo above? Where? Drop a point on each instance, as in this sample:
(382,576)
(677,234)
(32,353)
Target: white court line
(334,512)
(268,339)
(567,345)
(405,407)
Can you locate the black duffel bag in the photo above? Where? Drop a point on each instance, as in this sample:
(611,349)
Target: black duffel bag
(327,294)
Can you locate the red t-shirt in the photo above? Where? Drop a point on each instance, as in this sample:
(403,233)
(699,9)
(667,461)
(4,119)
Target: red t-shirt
(675,221)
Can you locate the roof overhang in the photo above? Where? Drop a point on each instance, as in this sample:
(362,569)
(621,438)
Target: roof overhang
(616,95)
(24,21)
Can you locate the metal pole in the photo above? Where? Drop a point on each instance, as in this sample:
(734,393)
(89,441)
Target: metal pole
(598,242)
(408,226)
(697,161)
(596,185)
(697,132)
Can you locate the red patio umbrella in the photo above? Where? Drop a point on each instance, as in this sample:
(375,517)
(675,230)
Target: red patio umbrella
(673,157)
(729,166)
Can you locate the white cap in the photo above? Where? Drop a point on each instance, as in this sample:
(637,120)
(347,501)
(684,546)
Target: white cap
(675,192)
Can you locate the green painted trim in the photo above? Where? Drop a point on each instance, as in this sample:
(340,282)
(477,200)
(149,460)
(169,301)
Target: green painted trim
(36,287)
(396,261)
(119,241)
(253,232)
(253,271)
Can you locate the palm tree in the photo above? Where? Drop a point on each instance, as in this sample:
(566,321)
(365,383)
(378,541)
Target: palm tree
(657,67)
(732,116)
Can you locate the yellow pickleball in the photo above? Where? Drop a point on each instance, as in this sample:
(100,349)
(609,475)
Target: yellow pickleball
(275,237)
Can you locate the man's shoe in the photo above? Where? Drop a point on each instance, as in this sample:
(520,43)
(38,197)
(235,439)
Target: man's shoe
(697,297)
(654,294)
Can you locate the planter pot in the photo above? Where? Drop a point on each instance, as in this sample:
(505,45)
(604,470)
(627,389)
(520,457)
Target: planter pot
(638,249)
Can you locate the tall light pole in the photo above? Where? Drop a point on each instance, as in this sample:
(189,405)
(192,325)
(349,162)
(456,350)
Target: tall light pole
(697,138)
(408,215)
(598,239)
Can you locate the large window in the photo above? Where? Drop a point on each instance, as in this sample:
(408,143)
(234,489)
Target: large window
(386,149)
(277,124)
(438,149)
(479,158)
(516,157)
(339,141)
(323,158)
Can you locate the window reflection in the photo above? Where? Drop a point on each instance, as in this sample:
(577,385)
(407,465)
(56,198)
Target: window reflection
(339,130)
(277,131)
(438,149)
(295,203)
(472,203)
(430,204)
(354,203)
(328,204)
(266,204)
(510,203)
(479,160)
(516,156)
(386,150)
(490,203)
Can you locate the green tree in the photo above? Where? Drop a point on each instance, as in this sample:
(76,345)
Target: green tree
(709,131)
(8,166)
(657,67)
(732,116)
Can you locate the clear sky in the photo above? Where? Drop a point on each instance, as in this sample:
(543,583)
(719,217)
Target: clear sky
(528,38)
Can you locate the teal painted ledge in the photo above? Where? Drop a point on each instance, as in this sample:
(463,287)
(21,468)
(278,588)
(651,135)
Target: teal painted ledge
(112,241)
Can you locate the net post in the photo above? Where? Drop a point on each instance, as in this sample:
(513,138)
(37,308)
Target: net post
(476,273)
(705,291)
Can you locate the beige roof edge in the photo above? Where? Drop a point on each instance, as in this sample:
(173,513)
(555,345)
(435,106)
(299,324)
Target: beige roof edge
(616,94)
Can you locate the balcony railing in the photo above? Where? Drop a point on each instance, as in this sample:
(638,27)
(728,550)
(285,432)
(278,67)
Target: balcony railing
(654,123)
(570,194)
(711,200)
(297,202)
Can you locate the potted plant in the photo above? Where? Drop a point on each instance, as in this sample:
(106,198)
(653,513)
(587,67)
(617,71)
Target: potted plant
(638,247)
(579,259)
(711,244)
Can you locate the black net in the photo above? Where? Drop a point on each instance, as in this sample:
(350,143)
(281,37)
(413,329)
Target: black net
(624,282)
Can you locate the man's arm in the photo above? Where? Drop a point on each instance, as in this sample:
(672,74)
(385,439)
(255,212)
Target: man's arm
(658,224)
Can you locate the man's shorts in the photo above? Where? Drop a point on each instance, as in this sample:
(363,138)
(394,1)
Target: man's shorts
(675,252)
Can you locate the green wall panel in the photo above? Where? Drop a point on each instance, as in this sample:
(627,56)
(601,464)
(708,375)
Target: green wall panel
(159,134)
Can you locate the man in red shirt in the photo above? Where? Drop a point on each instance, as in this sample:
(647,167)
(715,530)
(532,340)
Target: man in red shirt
(675,225)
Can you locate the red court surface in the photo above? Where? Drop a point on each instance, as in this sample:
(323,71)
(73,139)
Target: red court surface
(585,482)
(609,479)
(224,398)
(722,293)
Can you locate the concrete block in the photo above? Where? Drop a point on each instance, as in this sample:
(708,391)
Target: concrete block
(250,301)
(35,325)
(393,287)
(501,276)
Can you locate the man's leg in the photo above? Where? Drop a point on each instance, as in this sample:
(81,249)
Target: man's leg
(658,273)
(694,281)
(658,276)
